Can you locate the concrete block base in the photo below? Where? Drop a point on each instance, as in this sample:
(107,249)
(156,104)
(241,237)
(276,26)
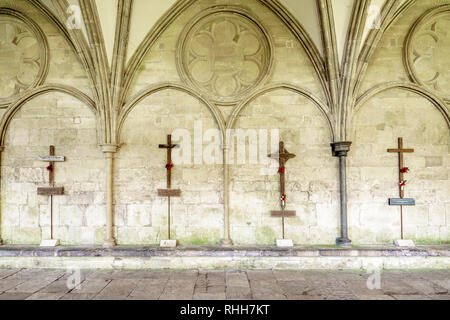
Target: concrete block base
(168,243)
(404,243)
(49,243)
(285,243)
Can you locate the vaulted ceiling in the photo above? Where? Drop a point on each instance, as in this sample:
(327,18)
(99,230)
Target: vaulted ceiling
(112,37)
(146,13)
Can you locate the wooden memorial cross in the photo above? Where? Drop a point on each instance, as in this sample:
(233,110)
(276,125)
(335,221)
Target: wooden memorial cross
(51,190)
(401,201)
(169,192)
(283,156)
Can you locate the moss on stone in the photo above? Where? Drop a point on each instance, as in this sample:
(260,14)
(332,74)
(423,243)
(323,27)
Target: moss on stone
(431,242)
(265,235)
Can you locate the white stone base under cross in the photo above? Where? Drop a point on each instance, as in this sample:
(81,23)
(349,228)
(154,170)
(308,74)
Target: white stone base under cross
(285,243)
(404,243)
(49,243)
(168,243)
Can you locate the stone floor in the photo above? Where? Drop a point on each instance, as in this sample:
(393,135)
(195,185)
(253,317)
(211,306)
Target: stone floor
(19,284)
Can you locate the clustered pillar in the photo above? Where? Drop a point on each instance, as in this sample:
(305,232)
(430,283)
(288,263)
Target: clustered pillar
(340,150)
(226,241)
(109,151)
(1,150)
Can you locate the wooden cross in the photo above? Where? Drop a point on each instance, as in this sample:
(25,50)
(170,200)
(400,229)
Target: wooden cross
(400,152)
(51,190)
(283,156)
(169,192)
(401,202)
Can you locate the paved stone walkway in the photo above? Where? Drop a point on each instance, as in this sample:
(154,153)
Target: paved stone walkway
(19,284)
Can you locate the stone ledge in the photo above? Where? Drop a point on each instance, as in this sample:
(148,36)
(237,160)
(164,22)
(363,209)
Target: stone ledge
(218,251)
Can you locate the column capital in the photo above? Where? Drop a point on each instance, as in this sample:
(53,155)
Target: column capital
(340,149)
(109,148)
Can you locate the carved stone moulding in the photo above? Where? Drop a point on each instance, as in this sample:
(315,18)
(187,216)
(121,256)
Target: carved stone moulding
(427,51)
(224,53)
(23,55)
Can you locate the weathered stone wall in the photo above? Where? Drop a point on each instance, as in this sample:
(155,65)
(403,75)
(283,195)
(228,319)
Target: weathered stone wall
(311,184)
(79,215)
(373,172)
(198,215)
(141,216)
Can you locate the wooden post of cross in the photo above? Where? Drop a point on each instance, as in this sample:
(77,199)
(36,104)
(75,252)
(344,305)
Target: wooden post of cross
(283,156)
(169,192)
(51,190)
(402,201)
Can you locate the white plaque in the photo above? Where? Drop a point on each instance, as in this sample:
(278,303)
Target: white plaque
(49,243)
(404,243)
(285,243)
(168,243)
(51,158)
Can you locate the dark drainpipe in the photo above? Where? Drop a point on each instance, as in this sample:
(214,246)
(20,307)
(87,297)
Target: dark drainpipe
(340,149)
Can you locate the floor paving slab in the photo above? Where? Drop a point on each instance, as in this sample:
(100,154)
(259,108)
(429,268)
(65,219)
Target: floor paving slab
(91,286)
(58,286)
(14,296)
(397,287)
(304,297)
(7,284)
(288,275)
(78,296)
(411,297)
(119,287)
(237,293)
(46,296)
(375,297)
(223,284)
(209,296)
(30,286)
(4,273)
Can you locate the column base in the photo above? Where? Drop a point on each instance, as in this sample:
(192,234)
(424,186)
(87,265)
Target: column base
(226,242)
(109,243)
(344,242)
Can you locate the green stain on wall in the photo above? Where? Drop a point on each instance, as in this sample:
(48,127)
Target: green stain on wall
(265,235)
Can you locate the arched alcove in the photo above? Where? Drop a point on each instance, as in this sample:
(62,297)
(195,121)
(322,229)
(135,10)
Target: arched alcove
(141,216)
(311,184)
(71,126)
(373,172)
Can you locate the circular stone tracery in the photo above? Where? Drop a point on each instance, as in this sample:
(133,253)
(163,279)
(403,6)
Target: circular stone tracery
(224,55)
(428,50)
(21,57)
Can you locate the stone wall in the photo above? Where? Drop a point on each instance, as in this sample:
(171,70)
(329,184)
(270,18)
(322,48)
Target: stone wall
(311,185)
(401,113)
(273,91)
(373,172)
(79,217)
(141,216)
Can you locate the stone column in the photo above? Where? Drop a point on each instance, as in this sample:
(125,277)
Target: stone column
(109,151)
(1,150)
(226,241)
(340,149)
